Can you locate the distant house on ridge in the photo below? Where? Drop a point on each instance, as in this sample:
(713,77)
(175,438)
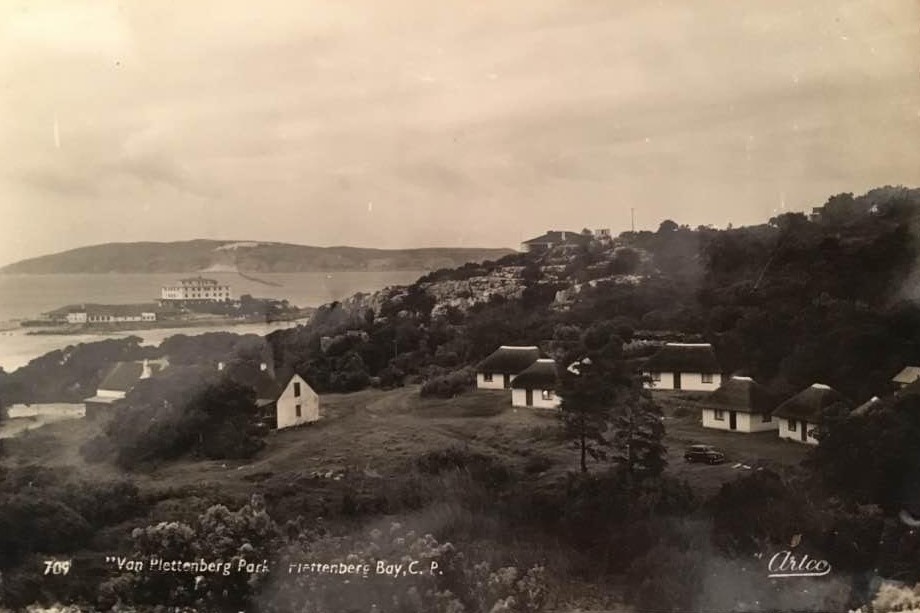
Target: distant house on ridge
(740,405)
(554,238)
(683,366)
(908,375)
(497,370)
(801,415)
(535,386)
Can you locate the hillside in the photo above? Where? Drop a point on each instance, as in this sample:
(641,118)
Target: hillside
(204,255)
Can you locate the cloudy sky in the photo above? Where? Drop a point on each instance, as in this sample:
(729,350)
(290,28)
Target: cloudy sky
(419,123)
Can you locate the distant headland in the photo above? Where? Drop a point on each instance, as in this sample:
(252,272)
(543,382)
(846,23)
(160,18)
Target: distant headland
(250,256)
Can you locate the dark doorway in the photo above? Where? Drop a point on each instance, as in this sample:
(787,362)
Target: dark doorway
(528,398)
(507,380)
(732,421)
(804,426)
(677,380)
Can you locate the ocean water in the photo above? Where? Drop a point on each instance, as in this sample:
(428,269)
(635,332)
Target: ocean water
(27,296)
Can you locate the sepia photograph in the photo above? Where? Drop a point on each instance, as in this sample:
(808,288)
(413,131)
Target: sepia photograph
(414,306)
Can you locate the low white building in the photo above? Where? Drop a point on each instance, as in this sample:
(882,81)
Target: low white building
(535,386)
(740,405)
(908,375)
(118,380)
(683,366)
(800,417)
(498,369)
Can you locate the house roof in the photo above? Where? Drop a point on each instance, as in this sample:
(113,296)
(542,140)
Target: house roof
(908,375)
(509,359)
(557,237)
(539,375)
(684,357)
(809,403)
(122,376)
(866,406)
(742,394)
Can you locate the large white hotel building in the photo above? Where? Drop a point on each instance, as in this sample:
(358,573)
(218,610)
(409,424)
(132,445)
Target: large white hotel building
(195,289)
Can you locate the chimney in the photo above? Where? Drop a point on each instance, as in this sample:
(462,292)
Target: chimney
(145,370)
(563,235)
(220,366)
(263,366)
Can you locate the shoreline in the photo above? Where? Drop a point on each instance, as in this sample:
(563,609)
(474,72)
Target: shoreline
(110,328)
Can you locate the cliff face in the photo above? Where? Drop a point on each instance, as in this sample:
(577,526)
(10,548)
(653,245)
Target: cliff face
(564,271)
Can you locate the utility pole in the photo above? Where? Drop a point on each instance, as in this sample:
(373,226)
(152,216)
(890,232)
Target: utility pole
(632,215)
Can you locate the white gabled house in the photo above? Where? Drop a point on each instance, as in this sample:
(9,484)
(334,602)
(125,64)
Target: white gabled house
(498,369)
(536,386)
(296,404)
(740,405)
(683,366)
(800,416)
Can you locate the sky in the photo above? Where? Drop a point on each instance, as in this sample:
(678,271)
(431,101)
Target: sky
(412,123)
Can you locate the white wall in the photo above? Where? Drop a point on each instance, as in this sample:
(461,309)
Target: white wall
(76,318)
(692,381)
(286,407)
(497,382)
(666,383)
(785,432)
(519,399)
(744,422)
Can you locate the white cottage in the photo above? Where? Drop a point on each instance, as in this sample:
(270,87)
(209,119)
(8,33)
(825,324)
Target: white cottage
(683,366)
(740,405)
(296,404)
(800,416)
(536,386)
(118,380)
(499,368)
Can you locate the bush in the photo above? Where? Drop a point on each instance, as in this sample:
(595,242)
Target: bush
(449,385)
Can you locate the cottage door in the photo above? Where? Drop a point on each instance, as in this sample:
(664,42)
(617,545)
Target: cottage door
(507,380)
(677,380)
(732,421)
(528,398)
(804,429)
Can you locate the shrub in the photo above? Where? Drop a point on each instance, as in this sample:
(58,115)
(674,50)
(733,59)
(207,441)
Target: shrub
(450,385)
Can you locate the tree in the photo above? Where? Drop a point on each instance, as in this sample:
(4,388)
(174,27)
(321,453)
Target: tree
(667,226)
(604,407)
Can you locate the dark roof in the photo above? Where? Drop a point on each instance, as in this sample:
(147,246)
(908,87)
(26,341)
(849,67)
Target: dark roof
(509,359)
(539,375)
(908,375)
(122,376)
(558,237)
(262,381)
(742,394)
(809,403)
(684,357)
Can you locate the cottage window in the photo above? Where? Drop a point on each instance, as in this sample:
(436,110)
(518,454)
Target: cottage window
(297,409)
(792,425)
(487,377)
(656,376)
(707,377)
(766,418)
(297,388)
(719,415)
(547,394)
